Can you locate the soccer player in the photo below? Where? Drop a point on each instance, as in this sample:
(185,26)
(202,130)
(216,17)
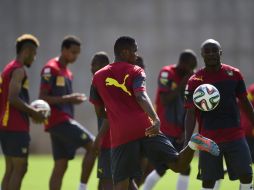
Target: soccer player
(15,112)
(100,60)
(247,125)
(170,109)
(223,123)
(66,134)
(134,125)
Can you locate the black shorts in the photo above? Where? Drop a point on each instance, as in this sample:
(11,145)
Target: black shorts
(67,137)
(15,144)
(161,169)
(126,157)
(104,164)
(250,141)
(237,158)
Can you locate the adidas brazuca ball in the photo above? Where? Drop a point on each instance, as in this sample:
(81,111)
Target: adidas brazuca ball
(41,105)
(206,97)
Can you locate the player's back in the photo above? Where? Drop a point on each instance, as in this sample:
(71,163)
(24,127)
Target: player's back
(116,84)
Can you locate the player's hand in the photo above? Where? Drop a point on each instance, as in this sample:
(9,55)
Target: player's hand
(154,129)
(76,98)
(38,116)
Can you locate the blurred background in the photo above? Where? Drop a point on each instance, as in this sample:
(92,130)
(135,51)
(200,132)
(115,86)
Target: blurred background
(162,29)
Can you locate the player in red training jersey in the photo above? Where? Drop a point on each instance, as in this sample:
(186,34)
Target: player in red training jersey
(15,111)
(223,123)
(66,134)
(134,125)
(247,125)
(100,60)
(170,109)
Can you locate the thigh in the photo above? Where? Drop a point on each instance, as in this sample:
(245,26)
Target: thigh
(104,164)
(125,160)
(159,151)
(238,159)
(72,132)
(210,167)
(61,149)
(15,144)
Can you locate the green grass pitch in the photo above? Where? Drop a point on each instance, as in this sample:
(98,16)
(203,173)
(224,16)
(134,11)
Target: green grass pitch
(40,166)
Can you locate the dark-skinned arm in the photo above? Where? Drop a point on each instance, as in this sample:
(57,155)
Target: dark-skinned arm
(145,103)
(189,124)
(101,113)
(14,89)
(167,98)
(247,108)
(75,98)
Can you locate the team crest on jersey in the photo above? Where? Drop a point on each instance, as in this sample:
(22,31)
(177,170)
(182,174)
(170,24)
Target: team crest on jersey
(60,81)
(164,78)
(230,73)
(173,86)
(113,82)
(26,84)
(46,74)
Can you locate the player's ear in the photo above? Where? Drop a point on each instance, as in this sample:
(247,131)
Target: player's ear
(220,52)
(125,53)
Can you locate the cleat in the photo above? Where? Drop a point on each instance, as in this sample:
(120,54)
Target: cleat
(205,144)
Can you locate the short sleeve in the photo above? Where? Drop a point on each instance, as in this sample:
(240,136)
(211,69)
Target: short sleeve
(139,81)
(165,82)
(188,93)
(46,78)
(95,97)
(241,87)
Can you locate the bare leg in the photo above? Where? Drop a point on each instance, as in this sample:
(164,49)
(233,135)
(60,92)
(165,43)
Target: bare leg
(60,166)
(184,159)
(8,172)
(105,184)
(87,163)
(122,185)
(18,172)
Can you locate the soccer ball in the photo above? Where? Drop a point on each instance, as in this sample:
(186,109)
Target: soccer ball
(206,97)
(42,105)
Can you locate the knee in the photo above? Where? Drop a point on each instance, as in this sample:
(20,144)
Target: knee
(60,166)
(20,168)
(208,184)
(247,178)
(186,172)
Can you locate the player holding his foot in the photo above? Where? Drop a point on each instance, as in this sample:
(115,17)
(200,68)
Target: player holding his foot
(170,109)
(134,125)
(223,123)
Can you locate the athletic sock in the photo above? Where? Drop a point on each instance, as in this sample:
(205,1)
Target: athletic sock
(82,186)
(182,182)
(151,180)
(246,186)
(217,185)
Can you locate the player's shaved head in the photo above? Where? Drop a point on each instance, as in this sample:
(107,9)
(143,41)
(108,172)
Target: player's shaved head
(186,55)
(99,60)
(210,41)
(124,42)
